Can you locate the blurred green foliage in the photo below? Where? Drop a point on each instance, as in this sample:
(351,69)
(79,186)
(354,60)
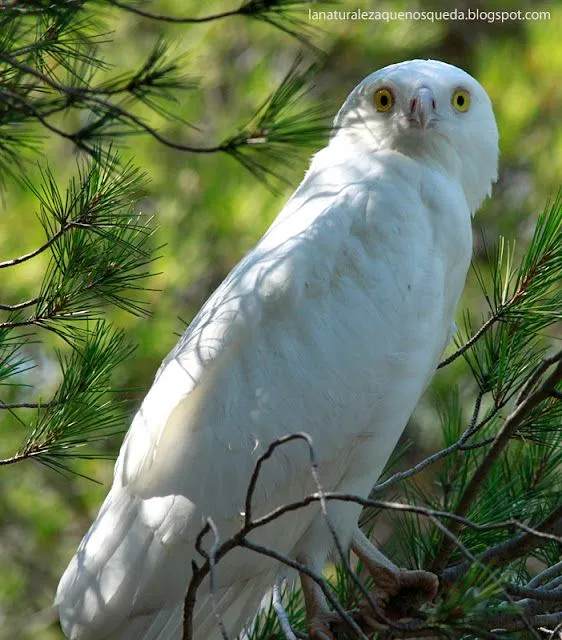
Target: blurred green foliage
(210,211)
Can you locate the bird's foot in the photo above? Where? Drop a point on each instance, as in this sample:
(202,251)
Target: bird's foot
(319,626)
(398,593)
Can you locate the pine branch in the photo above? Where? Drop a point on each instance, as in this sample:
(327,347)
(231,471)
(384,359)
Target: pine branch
(279,128)
(18,305)
(99,247)
(79,414)
(517,547)
(281,14)
(530,292)
(12,362)
(32,91)
(512,423)
(272,137)
(99,251)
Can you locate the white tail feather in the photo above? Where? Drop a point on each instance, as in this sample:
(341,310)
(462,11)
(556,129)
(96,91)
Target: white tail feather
(123,583)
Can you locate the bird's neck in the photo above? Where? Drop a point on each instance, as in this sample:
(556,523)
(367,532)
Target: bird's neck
(464,166)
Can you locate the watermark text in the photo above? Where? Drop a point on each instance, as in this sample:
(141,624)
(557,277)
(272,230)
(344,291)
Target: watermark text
(429,16)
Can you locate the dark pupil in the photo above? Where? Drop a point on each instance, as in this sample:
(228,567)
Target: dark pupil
(384,100)
(460,101)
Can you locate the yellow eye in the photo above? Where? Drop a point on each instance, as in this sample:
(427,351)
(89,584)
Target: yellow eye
(461,100)
(384,100)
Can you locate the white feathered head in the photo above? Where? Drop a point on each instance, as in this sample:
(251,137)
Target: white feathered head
(431,110)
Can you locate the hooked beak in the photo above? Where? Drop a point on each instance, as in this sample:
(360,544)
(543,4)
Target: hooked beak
(422,108)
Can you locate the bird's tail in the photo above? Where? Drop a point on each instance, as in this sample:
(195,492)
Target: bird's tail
(122,583)
(120,569)
(236,607)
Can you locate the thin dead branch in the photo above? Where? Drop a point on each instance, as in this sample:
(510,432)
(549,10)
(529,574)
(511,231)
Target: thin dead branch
(517,547)
(527,616)
(432,459)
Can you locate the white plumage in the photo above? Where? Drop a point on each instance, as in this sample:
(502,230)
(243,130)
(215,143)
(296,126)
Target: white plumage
(333,324)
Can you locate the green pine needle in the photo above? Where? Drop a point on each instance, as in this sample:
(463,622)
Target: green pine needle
(81,412)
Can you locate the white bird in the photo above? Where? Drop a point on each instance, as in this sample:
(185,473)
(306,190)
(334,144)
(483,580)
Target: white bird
(333,324)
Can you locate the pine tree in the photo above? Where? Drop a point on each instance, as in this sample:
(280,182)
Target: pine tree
(489,522)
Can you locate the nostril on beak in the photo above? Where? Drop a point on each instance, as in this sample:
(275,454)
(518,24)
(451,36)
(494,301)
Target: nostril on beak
(433,104)
(413,105)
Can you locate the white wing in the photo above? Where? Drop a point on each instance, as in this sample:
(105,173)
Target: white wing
(216,402)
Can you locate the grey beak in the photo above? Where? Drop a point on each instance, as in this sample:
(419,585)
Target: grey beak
(422,107)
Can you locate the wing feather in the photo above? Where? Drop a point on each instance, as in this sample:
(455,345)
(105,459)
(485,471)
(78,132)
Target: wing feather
(296,259)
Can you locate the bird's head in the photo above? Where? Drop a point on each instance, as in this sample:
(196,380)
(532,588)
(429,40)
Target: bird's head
(430,110)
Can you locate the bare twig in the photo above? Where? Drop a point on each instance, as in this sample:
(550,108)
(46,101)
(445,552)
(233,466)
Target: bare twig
(18,457)
(22,6)
(320,492)
(270,12)
(19,305)
(160,17)
(250,524)
(477,445)
(517,547)
(240,540)
(546,595)
(28,405)
(294,564)
(282,616)
(542,532)
(212,578)
(432,459)
(264,457)
(400,630)
(36,252)
(545,575)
